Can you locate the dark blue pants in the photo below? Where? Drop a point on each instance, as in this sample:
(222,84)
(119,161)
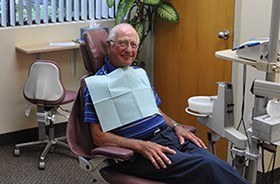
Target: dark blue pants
(190,164)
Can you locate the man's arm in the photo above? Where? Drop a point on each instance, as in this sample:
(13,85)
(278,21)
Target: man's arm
(150,150)
(181,132)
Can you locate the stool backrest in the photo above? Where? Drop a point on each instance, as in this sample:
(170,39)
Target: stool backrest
(43,84)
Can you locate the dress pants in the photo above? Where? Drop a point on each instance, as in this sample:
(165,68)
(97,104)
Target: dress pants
(190,164)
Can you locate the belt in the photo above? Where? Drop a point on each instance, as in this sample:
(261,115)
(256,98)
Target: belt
(153,133)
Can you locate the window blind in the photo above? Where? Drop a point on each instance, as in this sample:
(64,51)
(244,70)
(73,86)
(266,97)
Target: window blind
(3,15)
(30,12)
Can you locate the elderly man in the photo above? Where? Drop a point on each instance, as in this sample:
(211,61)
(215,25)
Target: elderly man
(164,150)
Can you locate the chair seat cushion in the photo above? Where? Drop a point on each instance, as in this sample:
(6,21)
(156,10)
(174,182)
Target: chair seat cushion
(119,178)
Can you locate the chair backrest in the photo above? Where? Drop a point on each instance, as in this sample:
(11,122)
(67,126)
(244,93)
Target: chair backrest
(93,51)
(43,85)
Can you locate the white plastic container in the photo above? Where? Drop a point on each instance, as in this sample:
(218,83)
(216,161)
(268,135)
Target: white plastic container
(201,104)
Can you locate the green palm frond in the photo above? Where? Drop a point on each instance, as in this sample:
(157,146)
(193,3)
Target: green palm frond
(140,29)
(167,12)
(110,3)
(120,13)
(129,4)
(123,7)
(152,2)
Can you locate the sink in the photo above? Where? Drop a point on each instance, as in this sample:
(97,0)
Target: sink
(201,104)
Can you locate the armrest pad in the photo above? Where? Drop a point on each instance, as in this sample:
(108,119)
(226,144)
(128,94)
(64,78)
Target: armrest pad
(113,152)
(123,153)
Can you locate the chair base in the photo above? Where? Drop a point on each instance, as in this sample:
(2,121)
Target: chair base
(50,143)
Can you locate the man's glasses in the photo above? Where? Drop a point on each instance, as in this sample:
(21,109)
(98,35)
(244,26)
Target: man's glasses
(125,43)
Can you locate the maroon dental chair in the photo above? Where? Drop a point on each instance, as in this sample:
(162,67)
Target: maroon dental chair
(44,89)
(92,158)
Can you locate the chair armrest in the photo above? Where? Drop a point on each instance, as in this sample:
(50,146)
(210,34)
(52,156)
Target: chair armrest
(113,152)
(123,153)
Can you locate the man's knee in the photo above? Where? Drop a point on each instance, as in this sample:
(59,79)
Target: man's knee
(214,164)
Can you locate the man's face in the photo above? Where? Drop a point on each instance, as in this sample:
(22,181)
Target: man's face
(123,51)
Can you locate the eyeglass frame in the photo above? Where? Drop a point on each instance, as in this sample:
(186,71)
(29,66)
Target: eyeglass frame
(125,43)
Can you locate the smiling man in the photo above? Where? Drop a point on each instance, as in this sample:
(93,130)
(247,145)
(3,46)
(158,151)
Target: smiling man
(122,46)
(122,108)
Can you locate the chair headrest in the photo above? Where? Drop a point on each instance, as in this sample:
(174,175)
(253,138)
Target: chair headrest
(94,49)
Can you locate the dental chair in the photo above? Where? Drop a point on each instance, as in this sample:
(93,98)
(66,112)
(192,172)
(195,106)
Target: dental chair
(44,89)
(93,158)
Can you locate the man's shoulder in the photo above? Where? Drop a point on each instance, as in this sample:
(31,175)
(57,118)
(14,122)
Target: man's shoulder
(136,67)
(139,69)
(101,71)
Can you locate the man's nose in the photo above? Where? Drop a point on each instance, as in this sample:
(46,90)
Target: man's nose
(129,48)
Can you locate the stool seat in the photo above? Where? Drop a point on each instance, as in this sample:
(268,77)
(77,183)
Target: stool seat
(69,97)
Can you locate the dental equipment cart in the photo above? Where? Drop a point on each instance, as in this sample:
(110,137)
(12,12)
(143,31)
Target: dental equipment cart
(216,112)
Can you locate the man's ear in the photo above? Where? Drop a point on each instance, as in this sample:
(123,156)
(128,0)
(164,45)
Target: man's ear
(108,45)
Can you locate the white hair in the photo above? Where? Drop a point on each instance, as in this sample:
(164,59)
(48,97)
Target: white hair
(114,31)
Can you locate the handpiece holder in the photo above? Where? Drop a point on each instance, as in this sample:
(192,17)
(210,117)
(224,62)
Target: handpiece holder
(221,120)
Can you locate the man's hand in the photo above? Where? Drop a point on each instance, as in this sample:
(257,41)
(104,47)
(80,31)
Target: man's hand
(184,134)
(155,153)
(152,151)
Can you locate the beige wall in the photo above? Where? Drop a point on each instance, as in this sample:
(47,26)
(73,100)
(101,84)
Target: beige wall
(14,68)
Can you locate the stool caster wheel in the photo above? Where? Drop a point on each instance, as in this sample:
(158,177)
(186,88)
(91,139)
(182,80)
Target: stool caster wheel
(16,152)
(41,165)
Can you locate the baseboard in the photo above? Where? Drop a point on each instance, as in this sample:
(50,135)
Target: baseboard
(29,134)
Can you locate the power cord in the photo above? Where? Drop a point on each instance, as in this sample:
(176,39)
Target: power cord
(242,122)
(273,150)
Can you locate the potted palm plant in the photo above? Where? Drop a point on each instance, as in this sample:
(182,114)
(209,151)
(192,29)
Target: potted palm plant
(141,13)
